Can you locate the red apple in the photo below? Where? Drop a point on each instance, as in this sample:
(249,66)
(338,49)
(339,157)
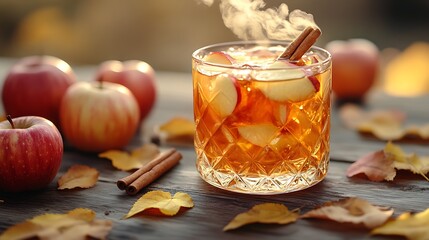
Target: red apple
(354,67)
(99,116)
(31,153)
(137,76)
(35,86)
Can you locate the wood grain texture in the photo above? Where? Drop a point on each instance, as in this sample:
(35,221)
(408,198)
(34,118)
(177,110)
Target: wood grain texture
(214,208)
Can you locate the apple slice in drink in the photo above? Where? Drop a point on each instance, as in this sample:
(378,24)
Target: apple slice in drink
(222,91)
(223,94)
(215,63)
(260,134)
(282,82)
(218,58)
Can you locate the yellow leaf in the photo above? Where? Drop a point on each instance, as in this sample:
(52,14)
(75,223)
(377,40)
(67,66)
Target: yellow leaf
(162,201)
(263,213)
(136,159)
(178,130)
(24,230)
(82,213)
(412,226)
(77,224)
(78,176)
(352,210)
(402,161)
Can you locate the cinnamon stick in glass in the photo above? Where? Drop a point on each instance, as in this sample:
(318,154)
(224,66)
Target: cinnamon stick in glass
(298,47)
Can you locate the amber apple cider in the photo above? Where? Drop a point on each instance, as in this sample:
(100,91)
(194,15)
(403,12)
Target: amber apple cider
(262,123)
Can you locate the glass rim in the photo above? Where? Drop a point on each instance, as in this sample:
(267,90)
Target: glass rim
(259,42)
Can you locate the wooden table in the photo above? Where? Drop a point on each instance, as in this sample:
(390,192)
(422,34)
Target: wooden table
(214,208)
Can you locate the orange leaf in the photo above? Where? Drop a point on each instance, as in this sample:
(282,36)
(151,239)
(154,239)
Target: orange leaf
(352,210)
(178,130)
(412,226)
(376,166)
(263,213)
(79,223)
(136,159)
(163,201)
(78,176)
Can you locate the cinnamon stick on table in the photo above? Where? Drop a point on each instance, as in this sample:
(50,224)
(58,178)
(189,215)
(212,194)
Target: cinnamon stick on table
(150,176)
(149,172)
(298,47)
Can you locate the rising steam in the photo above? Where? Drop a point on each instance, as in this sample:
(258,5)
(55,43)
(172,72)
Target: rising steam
(249,20)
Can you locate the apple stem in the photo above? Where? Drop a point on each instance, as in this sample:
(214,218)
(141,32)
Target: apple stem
(101,84)
(9,118)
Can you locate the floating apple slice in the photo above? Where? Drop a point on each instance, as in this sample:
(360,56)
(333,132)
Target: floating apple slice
(291,84)
(260,135)
(218,58)
(216,61)
(223,94)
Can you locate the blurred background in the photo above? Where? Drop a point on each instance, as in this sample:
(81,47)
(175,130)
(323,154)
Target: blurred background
(164,33)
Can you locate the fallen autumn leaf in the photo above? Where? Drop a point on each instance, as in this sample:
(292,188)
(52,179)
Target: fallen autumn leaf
(376,166)
(382,165)
(352,210)
(162,201)
(178,131)
(263,213)
(77,224)
(412,226)
(78,176)
(136,159)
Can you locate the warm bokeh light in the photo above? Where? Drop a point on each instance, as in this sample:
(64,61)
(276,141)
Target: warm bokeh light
(408,73)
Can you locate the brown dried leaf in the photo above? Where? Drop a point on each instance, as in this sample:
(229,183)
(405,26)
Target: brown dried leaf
(411,226)
(376,166)
(382,165)
(178,130)
(393,132)
(78,176)
(162,201)
(353,116)
(77,224)
(136,159)
(387,125)
(352,210)
(263,213)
